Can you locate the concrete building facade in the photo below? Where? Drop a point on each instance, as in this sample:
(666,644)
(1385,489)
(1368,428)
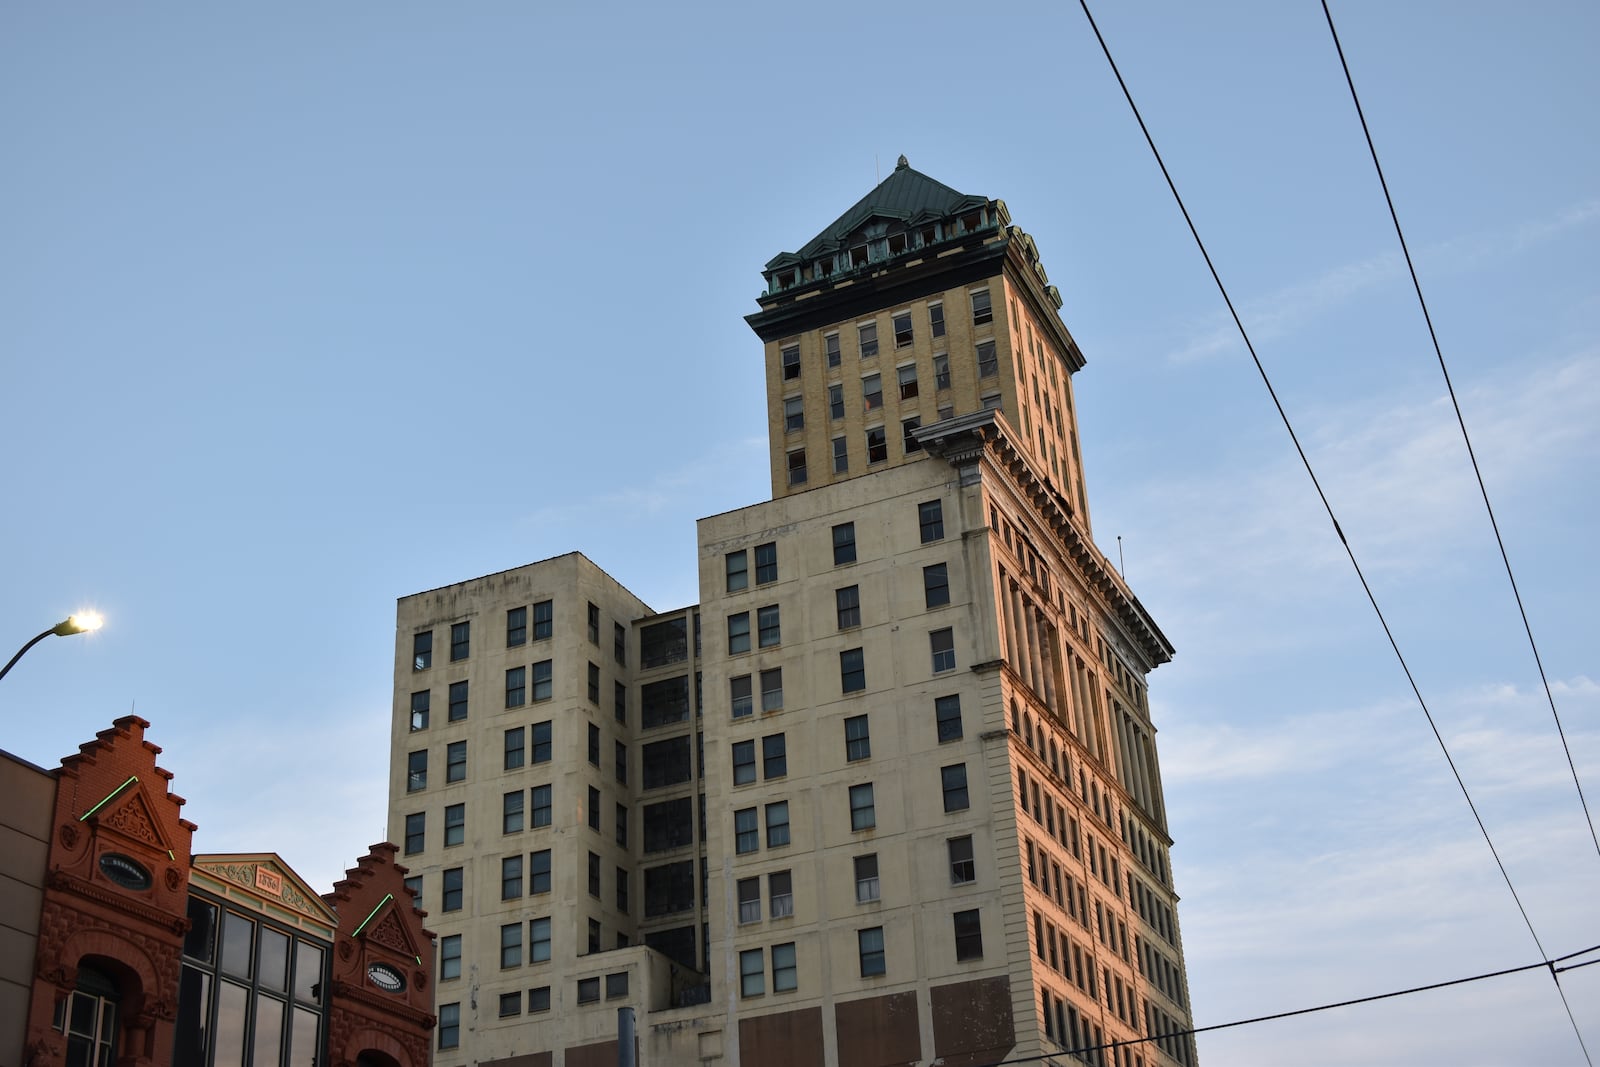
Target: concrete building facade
(889,793)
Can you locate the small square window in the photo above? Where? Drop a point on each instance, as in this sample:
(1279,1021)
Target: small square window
(969,935)
(616,985)
(743,704)
(588,990)
(954,781)
(835,401)
(739,633)
(863,813)
(844,543)
(871,392)
(794,414)
(738,570)
(744,762)
(841,456)
(460,641)
(777,823)
(766,563)
(422,651)
(867,332)
(539,999)
(981,310)
(902,329)
(963,869)
(516,627)
(943,644)
(769,632)
(857,739)
(510,1004)
(877,445)
(947,715)
(852,670)
(866,879)
(791,362)
(930,518)
(772,689)
(746,831)
(774,756)
(935,585)
(830,345)
(869,943)
(847,603)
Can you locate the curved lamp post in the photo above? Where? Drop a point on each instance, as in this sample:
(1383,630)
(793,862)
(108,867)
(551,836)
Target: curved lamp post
(82,623)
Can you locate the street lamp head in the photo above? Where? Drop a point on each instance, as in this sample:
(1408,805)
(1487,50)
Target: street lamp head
(81,623)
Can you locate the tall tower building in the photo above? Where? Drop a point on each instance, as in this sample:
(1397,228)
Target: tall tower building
(889,793)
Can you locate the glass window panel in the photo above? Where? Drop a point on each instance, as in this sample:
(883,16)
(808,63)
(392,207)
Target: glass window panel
(237,934)
(308,972)
(200,942)
(232,1001)
(268,1043)
(303,1039)
(273,963)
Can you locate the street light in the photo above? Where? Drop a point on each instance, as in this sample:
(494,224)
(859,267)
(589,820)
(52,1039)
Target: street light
(81,623)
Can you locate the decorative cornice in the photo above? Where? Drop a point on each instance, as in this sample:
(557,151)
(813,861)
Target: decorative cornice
(71,883)
(386,1003)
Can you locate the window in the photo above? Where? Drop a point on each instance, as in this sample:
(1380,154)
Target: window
(451,899)
(619,702)
(539,872)
(988,365)
(455,761)
(516,687)
(538,948)
(594,879)
(622,890)
(594,809)
(741,697)
(777,824)
(516,627)
(947,715)
(594,744)
(588,990)
(866,878)
(797,467)
(450,956)
(871,392)
(538,999)
(936,319)
(422,651)
(902,329)
(844,543)
(458,701)
(794,414)
(510,945)
(541,742)
(867,332)
(857,739)
(416,825)
(746,831)
(774,756)
(749,900)
(455,824)
(460,640)
(739,633)
(511,812)
(962,867)
(852,670)
(930,517)
(943,644)
(419,709)
(941,373)
(616,985)
(622,825)
(417,771)
(543,683)
(510,1004)
(785,974)
(907,376)
(981,311)
(869,944)
(449,1025)
(414,885)
(877,445)
(908,435)
(830,345)
(780,894)
(847,602)
(954,781)
(991,402)
(935,585)
(738,570)
(744,762)
(594,684)
(619,644)
(791,362)
(769,633)
(752,973)
(594,624)
(841,455)
(969,935)
(766,563)
(541,805)
(620,762)
(836,401)
(666,762)
(772,689)
(664,702)
(543,620)
(863,815)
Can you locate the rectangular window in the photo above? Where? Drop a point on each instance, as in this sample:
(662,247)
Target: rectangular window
(594,744)
(419,709)
(871,392)
(594,624)
(543,681)
(622,889)
(774,756)
(516,627)
(511,811)
(616,985)
(453,882)
(619,644)
(450,956)
(594,877)
(992,402)
(538,950)
(847,602)
(510,1004)
(954,781)
(941,373)
(594,684)
(516,687)
(594,809)
(460,641)
(541,805)
(936,319)
(867,333)
(449,1025)
(417,771)
(620,762)
(777,823)
(622,825)
(543,619)
(744,762)
(666,762)
(738,633)
(794,414)
(869,944)
(907,376)
(422,651)
(908,435)
(863,814)
(766,563)
(835,401)
(664,702)
(414,887)
(539,872)
(935,585)
(541,742)
(877,445)
(455,761)
(740,694)
(619,702)
(852,670)
(857,739)
(780,894)
(930,518)
(797,466)
(538,999)
(790,359)
(866,878)
(943,645)
(455,824)
(737,566)
(746,831)
(902,329)
(844,543)
(510,945)
(458,701)
(981,311)
(969,935)
(416,828)
(963,869)
(785,972)
(752,973)
(841,455)
(947,715)
(830,345)
(749,890)
(772,689)
(769,633)
(988,365)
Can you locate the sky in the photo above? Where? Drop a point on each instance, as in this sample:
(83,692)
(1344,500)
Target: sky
(305,308)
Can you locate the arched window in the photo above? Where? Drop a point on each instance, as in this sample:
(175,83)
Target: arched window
(90,1020)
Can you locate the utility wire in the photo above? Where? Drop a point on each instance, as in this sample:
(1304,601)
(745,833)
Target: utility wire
(1328,507)
(1462,422)
(1079,1052)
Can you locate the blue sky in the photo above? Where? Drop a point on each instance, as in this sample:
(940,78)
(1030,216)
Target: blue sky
(309,308)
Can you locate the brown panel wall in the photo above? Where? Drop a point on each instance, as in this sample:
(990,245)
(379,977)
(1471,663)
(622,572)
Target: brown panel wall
(972,1022)
(788,1039)
(531,1059)
(879,1031)
(599,1054)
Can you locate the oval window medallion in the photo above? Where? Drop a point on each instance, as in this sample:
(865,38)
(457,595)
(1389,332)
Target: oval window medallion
(386,978)
(126,871)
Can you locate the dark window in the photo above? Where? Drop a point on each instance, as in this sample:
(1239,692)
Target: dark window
(935,585)
(667,762)
(594,887)
(450,956)
(744,762)
(869,942)
(622,891)
(863,813)
(954,780)
(969,935)
(857,739)
(543,681)
(458,701)
(847,602)
(841,455)
(844,543)
(780,895)
(541,805)
(449,1025)
(766,563)
(538,952)
(619,701)
(453,882)
(988,365)
(908,435)
(947,714)
(907,377)
(620,762)
(511,877)
(669,824)
(511,805)
(664,702)
(738,570)
(746,831)
(455,824)
(794,414)
(769,632)
(455,761)
(460,640)
(622,825)
(422,651)
(594,624)
(868,335)
(619,644)
(830,345)
(835,401)
(588,990)
(930,516)
(791,362)
(866,879)
(594,684)
(941,375)
(774,756)
(752,970)
(419,709)
(739,690)
(739,633)
(539,999)
(543,619)
(777,823)
(981,311)
(541,742)
(669,888)
(594,744)
(516,687)
(936,319)
(943,645)
(852,670)
(877,445)
(749,893)
(797,467)
(661,643)
(902,329)
(871,392)
(539,872)
(616,985)
(416,827)
(510,1004)
(594,809)
(417,771)
(516,627)
(962,867)
(772,689)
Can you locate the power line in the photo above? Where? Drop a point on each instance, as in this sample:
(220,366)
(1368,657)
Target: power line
(1548,964)
(1328,507)
(1462,422)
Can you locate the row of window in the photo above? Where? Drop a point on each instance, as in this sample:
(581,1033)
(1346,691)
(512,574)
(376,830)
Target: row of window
(542,616)
(736,564)
(871,956)
(904,335)
(862,806)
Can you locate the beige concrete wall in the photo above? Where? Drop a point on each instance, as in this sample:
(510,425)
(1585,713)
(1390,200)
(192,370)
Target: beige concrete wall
(25,819)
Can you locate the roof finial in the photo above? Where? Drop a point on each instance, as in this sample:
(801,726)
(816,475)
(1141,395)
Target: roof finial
(902,164)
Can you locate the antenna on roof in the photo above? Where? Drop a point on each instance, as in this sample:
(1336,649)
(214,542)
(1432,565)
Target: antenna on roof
(1121,565)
